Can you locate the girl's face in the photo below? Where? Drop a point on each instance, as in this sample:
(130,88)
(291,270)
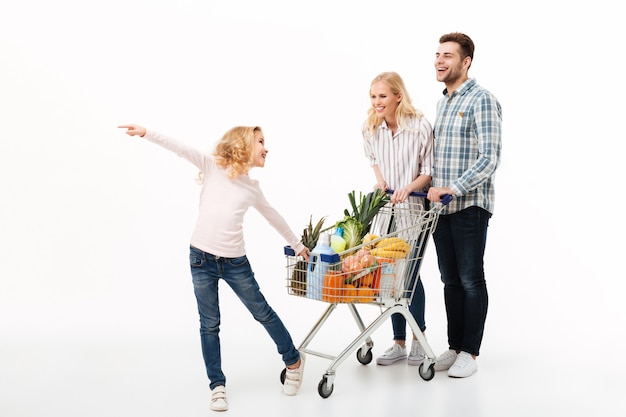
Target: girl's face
(259,152)
(384,101)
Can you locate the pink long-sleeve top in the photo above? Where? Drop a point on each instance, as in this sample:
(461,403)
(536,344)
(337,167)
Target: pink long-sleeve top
(223,203)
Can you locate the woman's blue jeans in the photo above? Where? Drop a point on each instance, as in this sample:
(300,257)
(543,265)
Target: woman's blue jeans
(418,298)
(460,240)
(206,271)
(416,308)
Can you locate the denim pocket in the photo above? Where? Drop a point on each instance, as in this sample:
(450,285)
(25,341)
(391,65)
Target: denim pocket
(238,262)
(195,258)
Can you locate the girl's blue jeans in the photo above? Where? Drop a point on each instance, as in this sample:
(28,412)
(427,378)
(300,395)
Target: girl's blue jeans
(206,271)
(460,239)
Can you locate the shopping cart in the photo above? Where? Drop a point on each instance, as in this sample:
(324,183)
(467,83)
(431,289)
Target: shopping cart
(399,236)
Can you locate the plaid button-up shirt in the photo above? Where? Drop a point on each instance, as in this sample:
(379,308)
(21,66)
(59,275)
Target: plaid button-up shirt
(468,142)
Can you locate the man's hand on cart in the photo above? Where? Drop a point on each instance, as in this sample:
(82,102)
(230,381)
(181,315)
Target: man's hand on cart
(435,194)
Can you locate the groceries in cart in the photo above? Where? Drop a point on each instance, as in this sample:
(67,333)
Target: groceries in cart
(377,268)
(297,279)
(367,264)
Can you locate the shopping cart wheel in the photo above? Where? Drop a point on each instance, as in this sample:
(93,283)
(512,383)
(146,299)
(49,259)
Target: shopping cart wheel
(364,359)
(324,389)
(427,374)
(283,375)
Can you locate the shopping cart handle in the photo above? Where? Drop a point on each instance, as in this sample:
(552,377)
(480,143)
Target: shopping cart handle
(445,199)
(329,258)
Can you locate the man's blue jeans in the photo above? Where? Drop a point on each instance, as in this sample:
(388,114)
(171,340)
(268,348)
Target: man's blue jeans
(206,271)
(460,240)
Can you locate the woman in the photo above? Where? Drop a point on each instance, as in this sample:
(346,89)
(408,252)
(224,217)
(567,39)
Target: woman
(217,249)
(398,141)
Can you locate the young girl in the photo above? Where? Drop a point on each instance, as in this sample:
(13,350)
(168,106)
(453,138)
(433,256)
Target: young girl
(217,249)
(398,141)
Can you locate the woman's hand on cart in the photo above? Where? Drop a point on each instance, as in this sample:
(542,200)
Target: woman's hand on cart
(399,195)
(439,194)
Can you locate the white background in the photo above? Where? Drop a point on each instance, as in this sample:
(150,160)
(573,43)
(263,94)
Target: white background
(94,225)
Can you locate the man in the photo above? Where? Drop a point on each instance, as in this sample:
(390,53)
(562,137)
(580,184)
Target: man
(467,145)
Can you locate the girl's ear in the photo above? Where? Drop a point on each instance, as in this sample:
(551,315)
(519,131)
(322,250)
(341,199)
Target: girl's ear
(399,97)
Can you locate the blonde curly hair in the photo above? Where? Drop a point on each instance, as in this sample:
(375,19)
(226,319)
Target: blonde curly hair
(234,151)
(405,108)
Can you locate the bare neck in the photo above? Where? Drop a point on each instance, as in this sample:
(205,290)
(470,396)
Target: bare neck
(393,125)
(456,84)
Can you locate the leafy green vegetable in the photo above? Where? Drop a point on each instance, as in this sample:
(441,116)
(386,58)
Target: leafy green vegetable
(352,231)
(357,223)
(367,208)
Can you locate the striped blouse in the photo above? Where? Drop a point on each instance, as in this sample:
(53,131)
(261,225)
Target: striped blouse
(403,156)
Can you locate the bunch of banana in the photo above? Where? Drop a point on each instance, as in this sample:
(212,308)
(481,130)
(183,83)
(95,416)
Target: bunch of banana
(367,239)
(391,247)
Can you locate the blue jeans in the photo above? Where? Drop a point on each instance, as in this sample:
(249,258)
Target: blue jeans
(460,240)
(206,271)
(416,308)
(418,299)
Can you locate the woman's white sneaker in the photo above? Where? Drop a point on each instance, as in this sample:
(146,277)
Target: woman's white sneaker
(417,354)
(394,354)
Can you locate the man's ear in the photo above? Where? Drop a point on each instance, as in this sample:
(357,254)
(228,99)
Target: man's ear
(467,62)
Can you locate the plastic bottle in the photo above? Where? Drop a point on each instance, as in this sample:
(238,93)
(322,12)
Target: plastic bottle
(320,259)
(337,241)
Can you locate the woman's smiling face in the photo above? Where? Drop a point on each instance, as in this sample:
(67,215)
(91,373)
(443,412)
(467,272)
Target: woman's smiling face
(384,101)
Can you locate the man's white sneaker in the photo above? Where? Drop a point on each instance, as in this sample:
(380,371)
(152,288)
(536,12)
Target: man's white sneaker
(417,354)
(393,354)
(445,360)
(218,399)
(463,367)
(293,378)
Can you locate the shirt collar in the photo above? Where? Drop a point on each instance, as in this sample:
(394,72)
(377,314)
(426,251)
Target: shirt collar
(383,125)
(463,88)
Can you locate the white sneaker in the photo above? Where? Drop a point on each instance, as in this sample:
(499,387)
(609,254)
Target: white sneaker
(218,399)
(463,367)
(445,360)
(394,354)
(417,354)
(293,378)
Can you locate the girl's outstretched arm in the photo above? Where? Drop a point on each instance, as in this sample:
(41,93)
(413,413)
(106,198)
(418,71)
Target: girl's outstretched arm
(134,130)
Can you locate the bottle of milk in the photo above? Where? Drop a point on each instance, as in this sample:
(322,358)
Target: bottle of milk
(320,259)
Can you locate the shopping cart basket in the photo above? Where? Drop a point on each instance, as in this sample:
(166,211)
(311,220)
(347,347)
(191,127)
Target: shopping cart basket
(382,272)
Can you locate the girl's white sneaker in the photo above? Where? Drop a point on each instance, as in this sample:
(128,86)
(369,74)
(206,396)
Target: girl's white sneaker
(218,399)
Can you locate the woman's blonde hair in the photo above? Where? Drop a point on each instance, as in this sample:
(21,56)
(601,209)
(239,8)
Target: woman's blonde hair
(405,108)
(234,151)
